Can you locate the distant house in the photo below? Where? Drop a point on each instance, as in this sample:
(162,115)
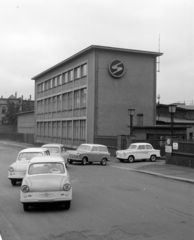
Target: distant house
(184,116)
(25,105)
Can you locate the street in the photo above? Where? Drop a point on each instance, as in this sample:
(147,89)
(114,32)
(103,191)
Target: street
(108,204)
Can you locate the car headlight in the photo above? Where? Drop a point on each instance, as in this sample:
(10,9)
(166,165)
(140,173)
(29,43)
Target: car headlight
(25,188)
(11,169)
(66,187)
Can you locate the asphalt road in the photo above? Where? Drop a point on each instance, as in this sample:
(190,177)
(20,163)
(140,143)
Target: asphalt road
(108,204)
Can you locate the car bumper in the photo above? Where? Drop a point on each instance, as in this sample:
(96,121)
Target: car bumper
(38,197)
(16,175)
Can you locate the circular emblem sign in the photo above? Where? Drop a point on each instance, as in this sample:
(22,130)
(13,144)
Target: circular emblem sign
(116,68)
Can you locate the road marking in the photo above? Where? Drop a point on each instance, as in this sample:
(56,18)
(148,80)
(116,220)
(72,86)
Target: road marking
(0,238)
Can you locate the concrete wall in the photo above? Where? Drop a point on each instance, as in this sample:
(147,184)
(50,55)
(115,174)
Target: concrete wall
(180,160)
(135,89)
(26,123)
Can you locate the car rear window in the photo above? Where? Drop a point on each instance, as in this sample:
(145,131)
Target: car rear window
(28,155)
(84,147)
(103,149)
(141,147)
(148,147)
(53,149)
(46,168)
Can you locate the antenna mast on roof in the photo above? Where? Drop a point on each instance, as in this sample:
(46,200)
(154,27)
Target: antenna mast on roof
(158,57)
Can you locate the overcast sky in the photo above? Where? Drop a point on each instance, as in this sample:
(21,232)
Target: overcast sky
(37,34)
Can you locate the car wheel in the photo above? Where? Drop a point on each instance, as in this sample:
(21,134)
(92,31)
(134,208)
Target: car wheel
(153,158)
(13,182)
(67,205)
(84,161)
(103,162)
(26,207)
(130,159)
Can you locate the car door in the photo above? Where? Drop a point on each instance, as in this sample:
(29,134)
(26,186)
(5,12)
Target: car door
(141,152)
(94,154)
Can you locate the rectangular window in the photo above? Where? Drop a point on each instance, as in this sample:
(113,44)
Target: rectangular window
(70,73)
(76,99)
(59,129)
(84,70)
(65,77)
(65,101)
(51,83)
(59,80)
(54,104)
(70,100)
(46,129)
(54,129)
(59,103)
(69,129)
(42,129)
(38,129)
(77,73)
(39,88)
(83,98)
(140,119)
(49,104)
(76,129)
(46,105)
(64,129)
(83,129)
(42,87)
(50,129)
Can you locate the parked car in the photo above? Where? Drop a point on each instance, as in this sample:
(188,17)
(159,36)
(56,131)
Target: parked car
(46,181)
(89,153)
(17,170)
(138,151)
(57,149)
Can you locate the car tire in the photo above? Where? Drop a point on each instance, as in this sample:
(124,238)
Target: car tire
(130,159)
(67,205)
(104,162)
(26,207)
(90,163)
(153,158)
(13,182)
(84,161)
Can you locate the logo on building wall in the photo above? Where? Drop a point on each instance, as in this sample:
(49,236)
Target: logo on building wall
(116,68)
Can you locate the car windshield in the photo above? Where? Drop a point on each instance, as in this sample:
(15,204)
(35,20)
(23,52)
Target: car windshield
(28,155)
(46,168)
(53,149)
(132,147)
(84,148)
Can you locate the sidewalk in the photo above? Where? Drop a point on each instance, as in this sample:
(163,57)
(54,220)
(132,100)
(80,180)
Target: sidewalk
(158,168)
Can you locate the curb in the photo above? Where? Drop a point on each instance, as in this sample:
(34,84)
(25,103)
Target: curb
(157,174)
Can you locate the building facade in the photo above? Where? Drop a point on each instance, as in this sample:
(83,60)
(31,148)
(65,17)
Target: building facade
(24,105)
(87,96)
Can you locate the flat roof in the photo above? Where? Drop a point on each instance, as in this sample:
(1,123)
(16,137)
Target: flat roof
(156,54)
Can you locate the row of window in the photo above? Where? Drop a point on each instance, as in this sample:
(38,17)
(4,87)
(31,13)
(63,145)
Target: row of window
(66,101)
(63,78)
(63,129)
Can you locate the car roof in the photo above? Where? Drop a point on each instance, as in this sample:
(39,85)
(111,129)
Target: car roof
(47,158)
(140,143)
(52,145)
(93,144)
(38,149)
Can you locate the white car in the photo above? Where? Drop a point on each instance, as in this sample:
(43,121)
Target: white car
(138,151)
(46,181)
(17,170)
(57,149)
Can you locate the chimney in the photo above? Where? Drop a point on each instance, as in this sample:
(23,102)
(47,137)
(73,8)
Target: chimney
(30,97)
(15,94)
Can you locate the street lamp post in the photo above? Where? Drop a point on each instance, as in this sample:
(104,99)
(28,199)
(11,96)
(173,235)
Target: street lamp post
(131,112)
(172,110)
